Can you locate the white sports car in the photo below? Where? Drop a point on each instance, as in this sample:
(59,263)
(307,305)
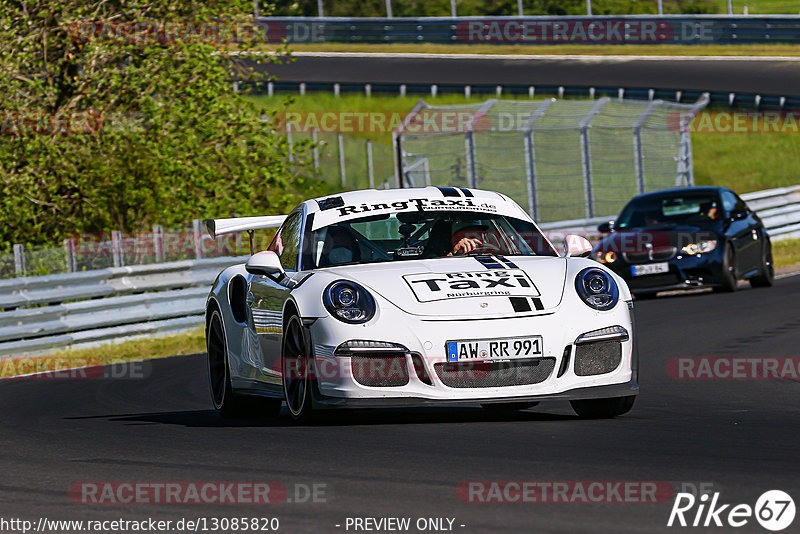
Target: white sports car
(409,297)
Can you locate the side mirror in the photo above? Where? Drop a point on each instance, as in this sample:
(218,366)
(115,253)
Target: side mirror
(264,263)
(576,246)
(606,227)
(738,215)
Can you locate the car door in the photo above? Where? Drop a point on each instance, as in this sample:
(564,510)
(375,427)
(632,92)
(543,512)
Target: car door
(268,294)
(744,231)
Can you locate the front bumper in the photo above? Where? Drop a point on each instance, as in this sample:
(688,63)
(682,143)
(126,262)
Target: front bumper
(685,272)
(425,340)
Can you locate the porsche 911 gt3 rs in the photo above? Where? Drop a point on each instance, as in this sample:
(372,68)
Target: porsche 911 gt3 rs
(412,297)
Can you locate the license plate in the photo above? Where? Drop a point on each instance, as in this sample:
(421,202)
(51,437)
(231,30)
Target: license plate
(649,268)
(494,349)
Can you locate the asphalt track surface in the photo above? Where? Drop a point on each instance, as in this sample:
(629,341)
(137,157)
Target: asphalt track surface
(740,435)
(772,76)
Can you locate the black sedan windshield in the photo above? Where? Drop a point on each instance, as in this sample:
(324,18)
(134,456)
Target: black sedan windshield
(696,209)
(421,235)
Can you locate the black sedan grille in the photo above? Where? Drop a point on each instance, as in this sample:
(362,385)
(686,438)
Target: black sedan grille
(657,254)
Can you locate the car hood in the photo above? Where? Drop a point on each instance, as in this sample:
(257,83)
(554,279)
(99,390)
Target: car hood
(463,286)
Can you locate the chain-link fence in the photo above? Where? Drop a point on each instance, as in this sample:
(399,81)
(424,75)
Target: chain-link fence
(561,159)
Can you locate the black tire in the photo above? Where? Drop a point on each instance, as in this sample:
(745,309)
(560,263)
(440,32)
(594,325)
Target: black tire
(766,276)
(229,404)
(729,279)
(603,408)
(296,362)
(506,407)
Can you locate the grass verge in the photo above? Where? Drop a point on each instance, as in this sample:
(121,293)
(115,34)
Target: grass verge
(560,50)
(786,253)
(126,351)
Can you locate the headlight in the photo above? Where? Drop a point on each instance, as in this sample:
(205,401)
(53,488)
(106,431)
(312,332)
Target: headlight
(700,247)
(605,257)
(349,302)
(597,289)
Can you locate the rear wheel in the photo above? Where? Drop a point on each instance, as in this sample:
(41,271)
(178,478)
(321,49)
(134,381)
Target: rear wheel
(767,274)
(728,271)
(603,408)
(227,403)
(295,368)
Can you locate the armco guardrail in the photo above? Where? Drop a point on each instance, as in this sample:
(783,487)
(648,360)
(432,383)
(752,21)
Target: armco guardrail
(779,209)
(45,313)
(617,29)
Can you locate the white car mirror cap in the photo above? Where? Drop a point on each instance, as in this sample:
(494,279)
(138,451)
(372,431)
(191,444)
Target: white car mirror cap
(576,246)
(264,263)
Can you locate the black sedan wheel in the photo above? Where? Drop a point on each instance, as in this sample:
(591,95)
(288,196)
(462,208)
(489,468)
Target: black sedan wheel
(728,271)
(766,276)
(295,368)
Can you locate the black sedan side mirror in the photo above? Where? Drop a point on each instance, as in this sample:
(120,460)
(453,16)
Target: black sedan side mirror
(606,227)
(738,215)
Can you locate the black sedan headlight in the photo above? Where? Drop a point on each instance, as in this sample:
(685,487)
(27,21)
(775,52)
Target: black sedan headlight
(597,288)
(349,302)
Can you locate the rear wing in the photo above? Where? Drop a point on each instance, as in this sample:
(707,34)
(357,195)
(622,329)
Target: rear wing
(218,227)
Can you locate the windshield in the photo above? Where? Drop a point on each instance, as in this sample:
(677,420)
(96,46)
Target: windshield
(422,235)
(683,209)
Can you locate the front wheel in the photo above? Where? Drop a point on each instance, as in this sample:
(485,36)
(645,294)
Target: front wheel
(603,408)
(296,364)
(766,276)
(728,271)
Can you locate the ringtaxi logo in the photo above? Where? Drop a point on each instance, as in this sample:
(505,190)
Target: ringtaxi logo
(774,510)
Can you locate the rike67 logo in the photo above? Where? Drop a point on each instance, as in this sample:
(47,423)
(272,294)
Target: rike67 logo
(774,510)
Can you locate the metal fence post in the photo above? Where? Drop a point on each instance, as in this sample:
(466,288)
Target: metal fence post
(586,155)
(158,243)
(342,170)
(453,12)
(320,11)
(69,249)
(289,140)
(520,12)
(685,174)
(638,149)
(388,9)
(315,151)
(197,230)
(530,156)
(370,168)
(469,151)
(19,260)
(116,249)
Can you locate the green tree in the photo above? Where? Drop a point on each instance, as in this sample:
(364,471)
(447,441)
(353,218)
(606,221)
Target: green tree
(110,129)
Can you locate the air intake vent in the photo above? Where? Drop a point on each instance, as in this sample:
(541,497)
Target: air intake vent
(380,370)
(597,358)
(495,374)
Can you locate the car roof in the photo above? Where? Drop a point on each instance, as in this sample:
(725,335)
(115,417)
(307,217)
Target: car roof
(682,191)
(394,195)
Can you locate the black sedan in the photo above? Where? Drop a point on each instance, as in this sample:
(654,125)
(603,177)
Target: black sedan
(686,238)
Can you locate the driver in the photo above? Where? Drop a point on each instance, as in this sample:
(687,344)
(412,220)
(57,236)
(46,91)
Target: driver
(440,242)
